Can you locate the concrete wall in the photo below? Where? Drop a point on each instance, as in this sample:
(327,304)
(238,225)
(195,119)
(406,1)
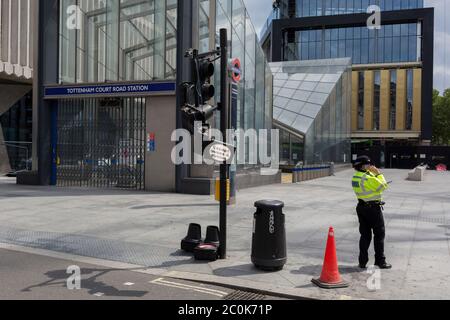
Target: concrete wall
(16,38)
(160,172)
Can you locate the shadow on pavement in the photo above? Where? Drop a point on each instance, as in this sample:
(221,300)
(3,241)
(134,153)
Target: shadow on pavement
(91,283)
(239,270)
(315,270)
(174,263)
(175,206)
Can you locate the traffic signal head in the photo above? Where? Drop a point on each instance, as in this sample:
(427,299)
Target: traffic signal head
(205,72)
(196,94)
(191,114)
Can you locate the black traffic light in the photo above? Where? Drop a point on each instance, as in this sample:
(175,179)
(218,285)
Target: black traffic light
(205,72)
(196,94)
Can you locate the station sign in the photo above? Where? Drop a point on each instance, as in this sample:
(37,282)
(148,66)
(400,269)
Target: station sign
(110,90)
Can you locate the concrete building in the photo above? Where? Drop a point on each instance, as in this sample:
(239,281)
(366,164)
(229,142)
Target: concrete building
(392,77)
(107,98)
(17,18)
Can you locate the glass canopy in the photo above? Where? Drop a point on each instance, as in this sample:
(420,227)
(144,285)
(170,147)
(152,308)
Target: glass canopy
(312,100)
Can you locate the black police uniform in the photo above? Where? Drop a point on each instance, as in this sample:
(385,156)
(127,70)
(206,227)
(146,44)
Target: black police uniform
(370,215)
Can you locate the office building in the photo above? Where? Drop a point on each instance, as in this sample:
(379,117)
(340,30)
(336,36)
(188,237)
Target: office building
(392,64)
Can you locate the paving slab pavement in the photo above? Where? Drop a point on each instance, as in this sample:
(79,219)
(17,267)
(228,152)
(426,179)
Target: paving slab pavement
(146,228)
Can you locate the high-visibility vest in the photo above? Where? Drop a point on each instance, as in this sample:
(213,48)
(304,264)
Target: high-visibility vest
(369,187)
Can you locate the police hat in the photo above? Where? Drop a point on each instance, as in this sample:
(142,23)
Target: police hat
(360,161)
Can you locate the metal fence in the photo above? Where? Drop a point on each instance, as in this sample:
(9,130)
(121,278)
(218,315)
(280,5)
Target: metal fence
(101,143)
(305,172)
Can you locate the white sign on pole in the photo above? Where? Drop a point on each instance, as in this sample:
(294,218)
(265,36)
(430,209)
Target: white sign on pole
(220,153)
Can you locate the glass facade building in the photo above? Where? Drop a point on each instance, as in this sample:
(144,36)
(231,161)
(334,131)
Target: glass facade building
(312,109)
(102,138)
(391,64)
(117,40)
(314,8)
(125,40)
(390,97)
(390,44)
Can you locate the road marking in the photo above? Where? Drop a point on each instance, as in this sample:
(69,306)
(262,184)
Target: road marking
(189,289)
(99,294)
(183,286)
(128,284)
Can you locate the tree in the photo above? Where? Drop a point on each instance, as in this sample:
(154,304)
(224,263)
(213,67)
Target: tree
(441,118)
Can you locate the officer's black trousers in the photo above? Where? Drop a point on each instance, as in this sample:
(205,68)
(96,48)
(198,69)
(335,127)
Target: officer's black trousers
(371,220)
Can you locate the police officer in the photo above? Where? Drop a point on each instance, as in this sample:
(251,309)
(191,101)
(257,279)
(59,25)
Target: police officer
(369,185)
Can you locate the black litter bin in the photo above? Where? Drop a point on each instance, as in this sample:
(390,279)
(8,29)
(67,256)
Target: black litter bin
(269,236)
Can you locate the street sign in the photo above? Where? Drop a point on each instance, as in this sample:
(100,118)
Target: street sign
(220,152)
(235,70)
(151,142)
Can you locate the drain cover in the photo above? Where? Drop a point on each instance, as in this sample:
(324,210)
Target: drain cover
(242,295)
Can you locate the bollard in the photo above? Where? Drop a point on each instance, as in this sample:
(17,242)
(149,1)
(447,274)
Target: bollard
(332,169)
(294,176)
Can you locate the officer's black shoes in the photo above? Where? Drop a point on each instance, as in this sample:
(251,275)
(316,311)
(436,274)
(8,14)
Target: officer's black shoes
(384,265)
(380,265)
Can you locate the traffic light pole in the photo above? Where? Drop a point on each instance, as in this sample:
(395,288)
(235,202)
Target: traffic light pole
(224,126)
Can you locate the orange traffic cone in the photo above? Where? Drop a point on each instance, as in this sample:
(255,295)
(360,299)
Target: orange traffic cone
(330,278)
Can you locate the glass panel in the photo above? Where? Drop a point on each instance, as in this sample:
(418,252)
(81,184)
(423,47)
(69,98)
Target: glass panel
(112,40)
(393,100)
(361,100)
(117,40)
(203,26)
(376,103)
(409,97)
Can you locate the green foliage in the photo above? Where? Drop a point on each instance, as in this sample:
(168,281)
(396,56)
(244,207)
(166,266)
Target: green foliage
(441,118)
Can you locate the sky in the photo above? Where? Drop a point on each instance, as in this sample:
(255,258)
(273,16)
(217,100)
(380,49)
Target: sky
(259,11)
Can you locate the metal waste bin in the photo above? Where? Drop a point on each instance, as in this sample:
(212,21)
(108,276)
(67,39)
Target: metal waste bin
(269,236)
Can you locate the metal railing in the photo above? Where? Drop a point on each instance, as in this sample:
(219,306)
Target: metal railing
(306,172)
(20,159)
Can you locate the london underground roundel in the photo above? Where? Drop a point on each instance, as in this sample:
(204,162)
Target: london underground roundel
(235,70)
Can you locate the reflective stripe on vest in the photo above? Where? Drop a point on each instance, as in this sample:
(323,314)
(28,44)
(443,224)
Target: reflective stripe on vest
(358,184)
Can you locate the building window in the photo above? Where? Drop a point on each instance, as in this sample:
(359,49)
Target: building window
(361,100)
(392,43)
(409,98)
(393,100)
(376,101)
(285,146)
(306,8)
